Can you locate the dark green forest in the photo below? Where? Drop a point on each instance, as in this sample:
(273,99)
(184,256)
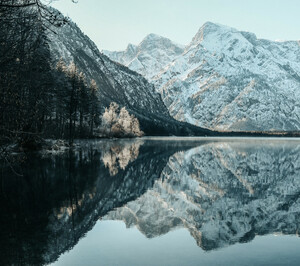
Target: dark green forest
(39,98)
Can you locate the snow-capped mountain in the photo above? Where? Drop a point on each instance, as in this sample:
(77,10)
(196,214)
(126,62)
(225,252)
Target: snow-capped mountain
(230,80)
(116,82)
(149,57)
(223,193)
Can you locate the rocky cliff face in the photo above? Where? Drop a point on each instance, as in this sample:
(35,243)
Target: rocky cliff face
(116,82)
(222,193)
(149,57)
(229,80)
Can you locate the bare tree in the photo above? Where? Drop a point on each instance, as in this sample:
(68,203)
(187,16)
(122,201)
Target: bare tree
(120,123)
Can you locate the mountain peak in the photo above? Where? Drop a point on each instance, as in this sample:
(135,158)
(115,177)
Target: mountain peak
(131,48)
(212,25)
(154,41)
(209,28)
(152,36)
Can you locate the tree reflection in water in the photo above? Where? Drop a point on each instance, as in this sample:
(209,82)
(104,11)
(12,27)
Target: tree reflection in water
(222,191)
(119,155)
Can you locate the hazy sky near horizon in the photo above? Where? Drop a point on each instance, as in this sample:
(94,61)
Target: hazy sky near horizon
(112,24)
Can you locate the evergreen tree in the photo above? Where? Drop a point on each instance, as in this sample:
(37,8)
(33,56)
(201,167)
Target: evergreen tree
(72,99)
(83,102)
(94,105)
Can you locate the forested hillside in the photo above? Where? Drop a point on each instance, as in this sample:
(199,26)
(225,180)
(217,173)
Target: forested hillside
(56,84)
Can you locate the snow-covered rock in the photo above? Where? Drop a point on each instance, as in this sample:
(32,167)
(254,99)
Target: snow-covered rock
(149,57)
(230,80)
(227,79)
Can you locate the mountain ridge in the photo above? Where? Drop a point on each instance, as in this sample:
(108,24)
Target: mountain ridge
(151,54)
(116,82)
(229,80)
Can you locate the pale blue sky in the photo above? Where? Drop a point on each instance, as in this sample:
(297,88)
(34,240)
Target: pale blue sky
(112,24)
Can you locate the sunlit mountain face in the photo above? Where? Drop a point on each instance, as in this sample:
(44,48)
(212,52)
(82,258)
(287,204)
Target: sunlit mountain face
(224,79)
(222,191)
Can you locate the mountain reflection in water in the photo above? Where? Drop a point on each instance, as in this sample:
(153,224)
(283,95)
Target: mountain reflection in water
(222,191)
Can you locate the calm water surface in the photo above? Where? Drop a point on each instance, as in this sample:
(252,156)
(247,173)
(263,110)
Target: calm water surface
(154,202)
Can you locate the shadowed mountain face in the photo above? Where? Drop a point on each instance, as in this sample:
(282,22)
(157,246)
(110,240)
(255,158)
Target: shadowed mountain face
(221,191)
(116,82)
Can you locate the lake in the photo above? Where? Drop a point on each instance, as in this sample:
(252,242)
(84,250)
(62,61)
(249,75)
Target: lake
(154,201)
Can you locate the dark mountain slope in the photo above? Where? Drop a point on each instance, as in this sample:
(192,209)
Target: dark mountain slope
(117,83)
